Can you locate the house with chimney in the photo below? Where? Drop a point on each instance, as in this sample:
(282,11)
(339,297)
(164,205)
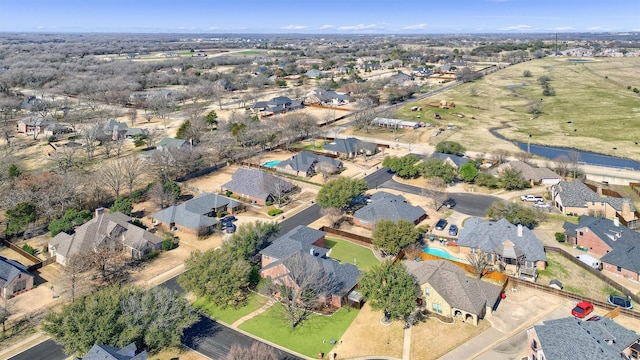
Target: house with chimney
(308,244)
(304,163)
(535,175)
(385,206)
(513,249)
(578,198)
(617,246)
(571,338)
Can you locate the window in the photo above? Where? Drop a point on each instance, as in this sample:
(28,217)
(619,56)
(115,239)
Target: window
(436,308)
(427,291)
(580,233)
(618,268)
(474,250)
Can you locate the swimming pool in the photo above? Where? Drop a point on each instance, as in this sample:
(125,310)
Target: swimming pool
(271,163)
(443,254)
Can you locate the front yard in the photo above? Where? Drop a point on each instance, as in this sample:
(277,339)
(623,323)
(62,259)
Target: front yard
(229,315)
(313,336)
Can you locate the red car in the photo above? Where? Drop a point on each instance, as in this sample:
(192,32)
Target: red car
(583,309)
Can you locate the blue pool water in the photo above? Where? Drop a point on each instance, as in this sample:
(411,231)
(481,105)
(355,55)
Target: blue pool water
(271,163)
(443,254)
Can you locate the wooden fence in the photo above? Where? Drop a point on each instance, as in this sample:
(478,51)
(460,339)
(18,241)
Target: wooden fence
(358,239)
(515,282)
(19,250)
(635,187)
(596,273)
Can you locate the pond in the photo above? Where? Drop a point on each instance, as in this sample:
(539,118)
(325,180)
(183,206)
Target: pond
(586,157)
(579,60)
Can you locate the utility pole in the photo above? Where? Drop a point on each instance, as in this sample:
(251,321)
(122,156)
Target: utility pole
(529,144)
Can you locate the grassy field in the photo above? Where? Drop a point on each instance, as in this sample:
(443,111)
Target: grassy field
(592,108)
(229,315)
(347,252)
(311,337)
(573,278)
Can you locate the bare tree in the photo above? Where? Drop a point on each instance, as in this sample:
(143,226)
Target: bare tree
(112,175)
(132,114)
(306,286)
(257,351)
(132,170)
(500,156)
(161,165)
(64,159)
(278,188)
(326,169)
(435,192)
(109,259)
(6,310)
(478,263)
(332,214)
(75,271)
(90,135)
(524,156)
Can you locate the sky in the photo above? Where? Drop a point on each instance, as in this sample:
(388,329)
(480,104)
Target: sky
(320,16)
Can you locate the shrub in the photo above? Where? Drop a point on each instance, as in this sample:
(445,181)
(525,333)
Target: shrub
(228,193)
(153,254)
(222,214)
(560,237)
(274,212)
(27,248)
(167,244)
(269,203)
(138,223)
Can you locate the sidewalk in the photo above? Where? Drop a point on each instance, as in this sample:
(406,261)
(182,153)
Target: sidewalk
(250,316)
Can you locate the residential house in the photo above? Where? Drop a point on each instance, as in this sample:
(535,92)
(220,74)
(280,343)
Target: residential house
(400,79)
(513,249)
(114,129)
(14,278)
(617,246)
(195,216)
(452,159)
(310,244)
(34,123)
(103,352)
(172,143)
(326,97)
(571,338)
(277,105)
(421,72)
(133,132)
(351,147)
(105,229)
(386,206)
(313,73)
(138,96)
(56,129)
(304,163)
(394,123)
(535,175)
(446,289)
(575,197)
(257,185)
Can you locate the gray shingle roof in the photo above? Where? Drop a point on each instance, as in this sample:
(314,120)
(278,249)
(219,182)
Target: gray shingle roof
(457,160)
(570,338)
(624,242)
(456,288)
(305,161)
(300,238)
(37,121)
(528,172)
(11,269)
(577,194)
(103,352)
(489,235)
(386,206)
(192,213)
(104,227)
(346,275)
(349,146)
(255,183)
(171,142)
(327,95)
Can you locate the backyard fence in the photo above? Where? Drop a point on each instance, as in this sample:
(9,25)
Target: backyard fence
(19,250)
(355,238)
(596,273)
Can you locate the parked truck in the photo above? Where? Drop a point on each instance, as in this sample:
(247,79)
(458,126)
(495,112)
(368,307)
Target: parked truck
(590,261)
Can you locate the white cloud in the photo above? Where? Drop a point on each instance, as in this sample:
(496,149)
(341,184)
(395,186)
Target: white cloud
(517,28)
(415,27)
(358,27)
(324,27)
(294,27)
(563,28)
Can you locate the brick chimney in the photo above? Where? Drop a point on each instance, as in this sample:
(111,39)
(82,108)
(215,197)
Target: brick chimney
(519,230)
(626,210)
(599,190)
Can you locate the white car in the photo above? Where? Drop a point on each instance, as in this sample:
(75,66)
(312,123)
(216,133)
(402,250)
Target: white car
(541,204)
(531,198)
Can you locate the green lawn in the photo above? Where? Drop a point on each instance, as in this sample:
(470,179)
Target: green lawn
(346,252)
(229,315)
(311,337)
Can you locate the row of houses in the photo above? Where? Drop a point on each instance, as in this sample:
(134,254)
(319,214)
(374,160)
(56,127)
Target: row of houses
(111,128)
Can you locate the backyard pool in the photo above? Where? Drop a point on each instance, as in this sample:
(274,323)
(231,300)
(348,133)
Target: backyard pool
(443,254)
(271,163)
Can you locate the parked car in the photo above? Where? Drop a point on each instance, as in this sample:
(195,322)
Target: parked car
(453,230)
(583,309)
(449,203)
(531,198)
(542,204)
(231,228)
(442,224)
(623,302)
(228,218)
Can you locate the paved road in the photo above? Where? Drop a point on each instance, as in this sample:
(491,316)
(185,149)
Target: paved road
(47,350)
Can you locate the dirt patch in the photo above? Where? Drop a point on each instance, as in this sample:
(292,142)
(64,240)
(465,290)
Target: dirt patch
(433,338)
(359,339)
